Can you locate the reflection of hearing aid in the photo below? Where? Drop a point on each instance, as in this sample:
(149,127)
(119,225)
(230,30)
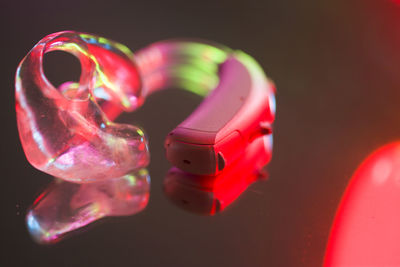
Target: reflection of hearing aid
(209,194)
(68,131)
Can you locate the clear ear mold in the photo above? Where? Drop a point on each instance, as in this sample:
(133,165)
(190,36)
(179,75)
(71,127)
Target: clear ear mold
(67,132)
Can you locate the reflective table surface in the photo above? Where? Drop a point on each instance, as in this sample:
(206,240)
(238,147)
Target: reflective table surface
(335,67)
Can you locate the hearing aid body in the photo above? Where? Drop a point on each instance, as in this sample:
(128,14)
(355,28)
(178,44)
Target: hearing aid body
(239,110)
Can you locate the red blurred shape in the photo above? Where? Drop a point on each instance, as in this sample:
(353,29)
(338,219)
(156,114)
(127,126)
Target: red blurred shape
(366,230)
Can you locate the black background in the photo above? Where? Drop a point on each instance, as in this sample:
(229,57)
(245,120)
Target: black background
(335,65)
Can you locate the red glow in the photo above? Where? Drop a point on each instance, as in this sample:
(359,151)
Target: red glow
(366,230)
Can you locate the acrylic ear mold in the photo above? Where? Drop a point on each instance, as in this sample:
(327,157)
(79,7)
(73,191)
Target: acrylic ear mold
(65,132)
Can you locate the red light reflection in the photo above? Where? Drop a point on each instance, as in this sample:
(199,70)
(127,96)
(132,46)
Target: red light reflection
(366,230)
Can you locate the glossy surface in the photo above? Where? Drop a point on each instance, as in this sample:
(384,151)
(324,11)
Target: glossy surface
(335,64)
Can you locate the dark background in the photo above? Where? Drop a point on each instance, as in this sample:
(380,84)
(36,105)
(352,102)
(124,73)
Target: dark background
(335,64)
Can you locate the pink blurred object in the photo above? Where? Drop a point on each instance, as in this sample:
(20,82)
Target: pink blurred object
(366,229)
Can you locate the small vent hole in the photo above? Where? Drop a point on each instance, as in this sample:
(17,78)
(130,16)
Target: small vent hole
(186,161)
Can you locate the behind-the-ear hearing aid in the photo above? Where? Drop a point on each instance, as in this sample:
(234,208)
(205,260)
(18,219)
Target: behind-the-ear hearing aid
(238,111)
(69,131)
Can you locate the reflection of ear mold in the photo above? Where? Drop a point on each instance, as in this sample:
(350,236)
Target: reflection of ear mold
(68,132)
(64,207)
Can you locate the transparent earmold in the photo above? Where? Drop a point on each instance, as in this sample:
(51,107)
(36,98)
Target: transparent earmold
(68,132)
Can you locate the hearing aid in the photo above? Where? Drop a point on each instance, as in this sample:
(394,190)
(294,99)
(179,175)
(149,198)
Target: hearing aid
(69,131)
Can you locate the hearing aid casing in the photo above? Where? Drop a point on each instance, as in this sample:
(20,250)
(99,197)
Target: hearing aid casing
(240,109)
